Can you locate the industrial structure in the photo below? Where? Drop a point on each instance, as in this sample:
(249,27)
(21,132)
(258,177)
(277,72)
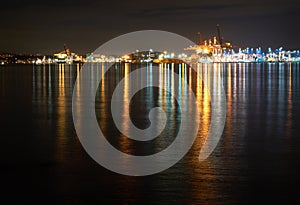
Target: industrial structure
(217,50)
(211,50)
(66,56)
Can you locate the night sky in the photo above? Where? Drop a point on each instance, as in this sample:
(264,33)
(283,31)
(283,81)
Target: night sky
(31,26)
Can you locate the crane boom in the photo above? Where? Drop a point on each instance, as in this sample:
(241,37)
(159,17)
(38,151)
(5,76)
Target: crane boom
(200,38)
(219,35)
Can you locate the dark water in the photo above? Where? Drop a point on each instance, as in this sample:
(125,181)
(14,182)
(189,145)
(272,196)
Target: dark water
(256,161)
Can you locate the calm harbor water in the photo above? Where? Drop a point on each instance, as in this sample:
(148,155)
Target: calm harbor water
(256,160)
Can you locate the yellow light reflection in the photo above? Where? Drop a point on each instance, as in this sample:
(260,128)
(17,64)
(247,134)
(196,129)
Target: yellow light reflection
(61,112)
(125,142)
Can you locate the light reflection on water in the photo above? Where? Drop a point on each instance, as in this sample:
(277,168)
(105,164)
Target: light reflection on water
(257,155)
(144,101)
